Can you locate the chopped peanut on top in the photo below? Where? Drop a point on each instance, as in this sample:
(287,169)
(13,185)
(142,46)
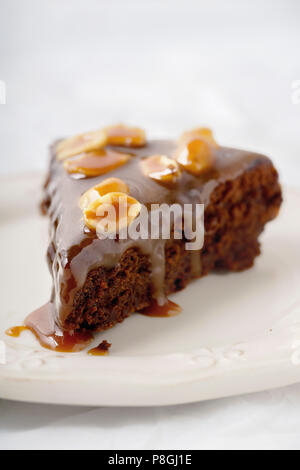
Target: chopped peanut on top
(109,185)
(111,212)
(199,132)
(195,156)
(81,143)
(125,136)
(96,163)
(196,150)
(162,169)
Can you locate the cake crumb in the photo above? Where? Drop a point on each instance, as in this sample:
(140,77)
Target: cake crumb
(101,350)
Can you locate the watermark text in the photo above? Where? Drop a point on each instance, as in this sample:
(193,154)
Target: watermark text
(157,222)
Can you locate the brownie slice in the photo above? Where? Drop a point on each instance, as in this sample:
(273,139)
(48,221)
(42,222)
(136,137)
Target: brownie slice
(98,283)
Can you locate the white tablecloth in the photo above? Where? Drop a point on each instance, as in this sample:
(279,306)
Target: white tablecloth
(267,420)
(74,65)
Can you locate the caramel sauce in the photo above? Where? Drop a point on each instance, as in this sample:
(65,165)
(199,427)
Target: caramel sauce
(58,341)
(63,341)
(101,350)
(96,163)
(15,331)
(162,169)
(49,335)
(169,309)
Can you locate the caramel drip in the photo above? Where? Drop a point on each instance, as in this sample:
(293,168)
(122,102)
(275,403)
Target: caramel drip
(15,331)
(169,309)
(63,342)
(58,341)
(50,336)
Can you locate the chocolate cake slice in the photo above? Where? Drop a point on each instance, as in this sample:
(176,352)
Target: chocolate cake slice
(99,282)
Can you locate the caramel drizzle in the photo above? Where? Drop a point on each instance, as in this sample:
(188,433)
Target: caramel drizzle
(169,309)
(15,331)
(49,335)
(56,342)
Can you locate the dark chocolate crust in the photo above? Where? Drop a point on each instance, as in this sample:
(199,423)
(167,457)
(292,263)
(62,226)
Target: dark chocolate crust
(240,198)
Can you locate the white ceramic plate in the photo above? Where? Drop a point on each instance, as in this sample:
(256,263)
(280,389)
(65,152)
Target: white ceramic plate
(237,333)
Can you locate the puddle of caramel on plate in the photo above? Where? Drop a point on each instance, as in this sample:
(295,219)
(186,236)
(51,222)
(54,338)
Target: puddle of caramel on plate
(169,309)
(49,335)
(65,342)
(15,331)
(56,342)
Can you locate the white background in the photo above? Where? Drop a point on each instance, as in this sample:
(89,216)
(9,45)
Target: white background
(165,65)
